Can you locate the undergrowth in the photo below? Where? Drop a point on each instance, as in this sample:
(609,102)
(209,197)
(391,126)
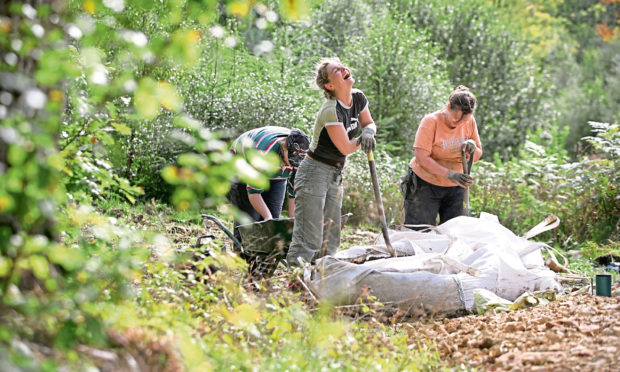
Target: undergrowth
(224,321)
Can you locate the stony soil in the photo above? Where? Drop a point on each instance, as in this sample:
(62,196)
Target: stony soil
(576,333)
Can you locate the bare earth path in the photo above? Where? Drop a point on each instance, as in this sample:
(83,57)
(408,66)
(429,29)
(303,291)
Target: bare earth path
(577,333)
(574,333)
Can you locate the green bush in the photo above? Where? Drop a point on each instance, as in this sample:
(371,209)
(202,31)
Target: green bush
(582,194)
(404,82)
(229,91)
(483,50)
(359,197)
(333,26)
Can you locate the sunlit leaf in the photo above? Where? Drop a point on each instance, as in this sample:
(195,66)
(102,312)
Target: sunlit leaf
(170,174)
(111,109)
(184,47)
(16,155)
(5,266)
(146,101)
(244,315)
(6,203)
(56,161)
(51,284)
(192,354)
(168,96)
(249,174)
(266,163)
(89,6)
(54,66)
(69,258)
(39,266)
(239,8)
(294,9)
(192,160)
(105,138)
(182,198)
(122,129)
(35,244)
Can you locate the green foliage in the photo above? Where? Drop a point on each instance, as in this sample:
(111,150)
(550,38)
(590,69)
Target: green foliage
(405,82)
(79,78)
(331,28)
(591,250)
(359,197)
(103,101)
(485,53)
(583,194)
(591,92)
(221,323)
(203,178)
(577,43)
(235,90)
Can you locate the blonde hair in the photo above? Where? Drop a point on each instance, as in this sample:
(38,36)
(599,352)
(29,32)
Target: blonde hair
(322,77)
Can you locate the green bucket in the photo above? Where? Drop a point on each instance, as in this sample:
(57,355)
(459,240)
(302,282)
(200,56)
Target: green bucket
(603,285)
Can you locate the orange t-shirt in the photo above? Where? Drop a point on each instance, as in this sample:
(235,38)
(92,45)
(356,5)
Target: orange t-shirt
(444,144)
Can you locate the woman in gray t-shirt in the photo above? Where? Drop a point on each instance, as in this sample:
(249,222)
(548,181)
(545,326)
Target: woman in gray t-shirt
(318,183)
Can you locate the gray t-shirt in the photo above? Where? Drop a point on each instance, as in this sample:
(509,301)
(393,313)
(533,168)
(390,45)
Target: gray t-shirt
(334,112)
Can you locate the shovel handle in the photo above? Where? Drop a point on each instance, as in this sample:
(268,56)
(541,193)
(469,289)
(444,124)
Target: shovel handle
(466,169)
(467,164)
(377,190)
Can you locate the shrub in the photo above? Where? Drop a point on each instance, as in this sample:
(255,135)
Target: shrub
(398,69)
(484,52)
(583,194)
(359,197)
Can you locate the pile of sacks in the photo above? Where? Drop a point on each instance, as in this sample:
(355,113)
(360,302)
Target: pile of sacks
(436,271)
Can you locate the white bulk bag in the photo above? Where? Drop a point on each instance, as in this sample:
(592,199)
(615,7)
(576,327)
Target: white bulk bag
(432,271)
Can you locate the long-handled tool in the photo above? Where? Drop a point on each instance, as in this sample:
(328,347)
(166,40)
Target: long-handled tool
(375,186)
(467,169)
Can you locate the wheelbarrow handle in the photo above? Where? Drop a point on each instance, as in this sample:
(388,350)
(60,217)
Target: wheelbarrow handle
(224,229)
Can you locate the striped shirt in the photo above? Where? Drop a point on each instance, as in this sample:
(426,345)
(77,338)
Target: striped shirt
(267,139)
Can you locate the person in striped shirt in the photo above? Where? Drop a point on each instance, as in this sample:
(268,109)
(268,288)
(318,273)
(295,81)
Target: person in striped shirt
(291,146)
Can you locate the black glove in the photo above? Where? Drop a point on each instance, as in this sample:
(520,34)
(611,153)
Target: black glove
(460,178)
(367,140)
(468,146)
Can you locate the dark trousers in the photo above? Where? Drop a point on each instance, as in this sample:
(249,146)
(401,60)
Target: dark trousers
(426,200)
(274,197)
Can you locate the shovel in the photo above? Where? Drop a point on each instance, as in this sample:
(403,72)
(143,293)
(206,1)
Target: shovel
(375,186)
(467,169)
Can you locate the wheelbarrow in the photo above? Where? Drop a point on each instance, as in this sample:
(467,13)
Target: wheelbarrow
(263,244)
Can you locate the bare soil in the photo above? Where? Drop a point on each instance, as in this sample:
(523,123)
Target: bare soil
(575,333)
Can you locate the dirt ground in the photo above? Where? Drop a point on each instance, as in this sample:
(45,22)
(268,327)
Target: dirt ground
(575,333)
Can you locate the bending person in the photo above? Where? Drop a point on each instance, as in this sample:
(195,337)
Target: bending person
(436,182)
(290,146)
(319,179)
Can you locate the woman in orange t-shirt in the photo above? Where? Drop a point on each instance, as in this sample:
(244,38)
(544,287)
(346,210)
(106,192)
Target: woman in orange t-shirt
(436,182)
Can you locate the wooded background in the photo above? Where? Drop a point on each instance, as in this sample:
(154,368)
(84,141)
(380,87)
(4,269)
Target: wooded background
(108,102)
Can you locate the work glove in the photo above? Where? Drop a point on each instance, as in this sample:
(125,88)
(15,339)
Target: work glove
(367,140)
(469,146)
(460,178)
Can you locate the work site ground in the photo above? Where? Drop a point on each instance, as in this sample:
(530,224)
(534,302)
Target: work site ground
(578,331)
